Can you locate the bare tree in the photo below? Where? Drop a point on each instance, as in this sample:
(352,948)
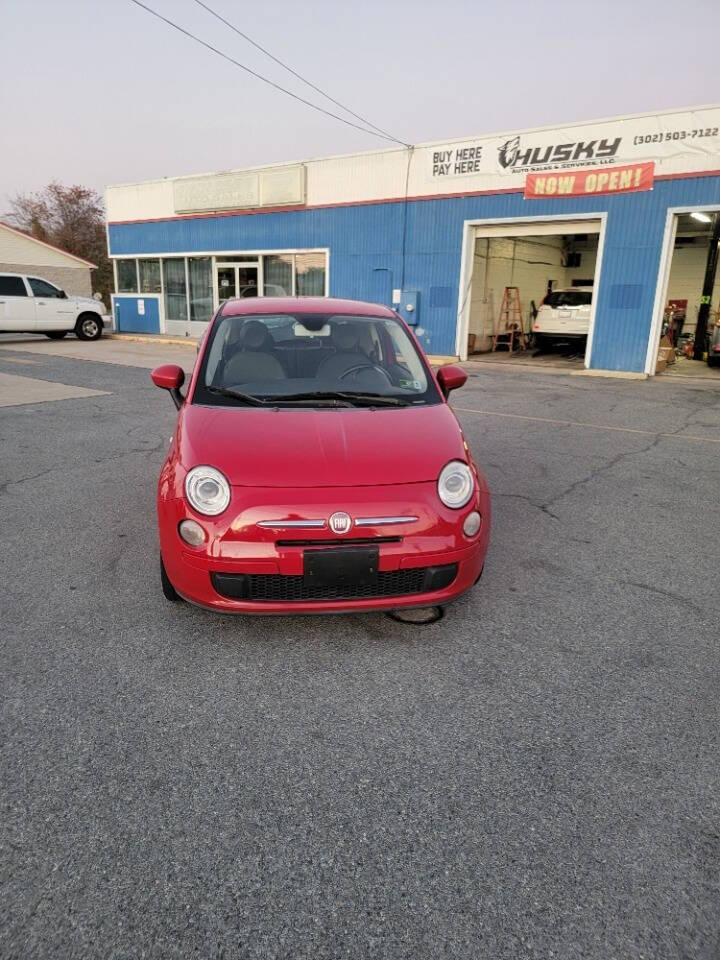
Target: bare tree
(72,218)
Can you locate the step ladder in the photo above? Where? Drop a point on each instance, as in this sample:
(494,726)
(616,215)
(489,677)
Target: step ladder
(509,328)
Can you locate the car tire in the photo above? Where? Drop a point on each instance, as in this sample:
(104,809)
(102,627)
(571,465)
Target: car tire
(88,327)
(169,591)
(541,344)
(56,334)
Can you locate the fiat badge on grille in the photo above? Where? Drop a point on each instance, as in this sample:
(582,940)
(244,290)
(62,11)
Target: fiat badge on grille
(340,522)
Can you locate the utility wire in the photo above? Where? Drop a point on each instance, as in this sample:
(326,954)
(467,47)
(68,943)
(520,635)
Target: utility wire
(259,76)
(299,76)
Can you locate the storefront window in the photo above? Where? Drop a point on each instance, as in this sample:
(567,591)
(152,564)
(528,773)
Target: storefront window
(310,274)
(277,276)
(201,289)
(175,290)
(150,276)
(127,276)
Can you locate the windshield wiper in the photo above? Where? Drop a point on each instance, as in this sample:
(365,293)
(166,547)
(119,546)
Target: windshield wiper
(363,399)
(276,400)
(237,395)
(326,397)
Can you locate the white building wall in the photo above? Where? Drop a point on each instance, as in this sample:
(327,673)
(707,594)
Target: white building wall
(469,165)
(586,270)
(140,201)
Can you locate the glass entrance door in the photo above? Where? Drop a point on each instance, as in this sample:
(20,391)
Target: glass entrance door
(237,280)
(247,281)
(226,282)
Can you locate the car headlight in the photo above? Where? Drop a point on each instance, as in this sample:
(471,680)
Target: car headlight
(207,490)
(455,484)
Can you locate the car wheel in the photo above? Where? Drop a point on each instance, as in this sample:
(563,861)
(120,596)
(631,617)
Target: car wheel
(88,327)
(56,334)
(169,591)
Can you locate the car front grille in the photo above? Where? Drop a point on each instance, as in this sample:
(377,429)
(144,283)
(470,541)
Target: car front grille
(276,588)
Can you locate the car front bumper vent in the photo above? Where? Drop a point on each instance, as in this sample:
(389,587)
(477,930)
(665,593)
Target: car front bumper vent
(276,588)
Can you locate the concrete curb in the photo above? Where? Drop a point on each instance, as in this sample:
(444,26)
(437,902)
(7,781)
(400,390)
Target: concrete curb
(612,374)
(153,338)
(556,370)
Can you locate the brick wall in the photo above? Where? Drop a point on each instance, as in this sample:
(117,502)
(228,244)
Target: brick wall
(75,281)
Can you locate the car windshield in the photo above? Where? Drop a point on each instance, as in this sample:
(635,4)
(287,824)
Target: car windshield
(568,298)
(312,360)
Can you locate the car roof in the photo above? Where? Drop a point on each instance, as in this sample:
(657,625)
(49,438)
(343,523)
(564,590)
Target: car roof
(329,305)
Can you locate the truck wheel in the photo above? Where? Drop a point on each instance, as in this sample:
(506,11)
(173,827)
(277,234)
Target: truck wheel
(56,334)
(88,327)
(169,591)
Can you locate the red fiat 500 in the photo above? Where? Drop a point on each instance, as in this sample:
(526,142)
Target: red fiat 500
(316,466)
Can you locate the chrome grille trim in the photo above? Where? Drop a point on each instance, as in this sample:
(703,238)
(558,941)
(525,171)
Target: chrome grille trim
(382,521)
(293,524)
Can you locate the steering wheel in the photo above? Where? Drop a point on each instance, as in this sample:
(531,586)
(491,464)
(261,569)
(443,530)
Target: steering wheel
(366,366)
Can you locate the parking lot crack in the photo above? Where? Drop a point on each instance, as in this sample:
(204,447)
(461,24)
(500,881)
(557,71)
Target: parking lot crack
(668,594)
(533,503)
(613,462)
(34,476)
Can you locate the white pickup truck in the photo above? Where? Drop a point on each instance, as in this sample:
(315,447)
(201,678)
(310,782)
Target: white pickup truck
(33,305)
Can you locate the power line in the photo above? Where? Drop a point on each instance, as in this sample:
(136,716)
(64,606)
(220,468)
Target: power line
(299,76)
(259,76)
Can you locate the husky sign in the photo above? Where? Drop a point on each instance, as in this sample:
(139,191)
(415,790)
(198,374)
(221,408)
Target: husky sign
(513,154)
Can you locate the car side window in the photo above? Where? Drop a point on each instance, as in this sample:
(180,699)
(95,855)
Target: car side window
(12,287)
(41,288)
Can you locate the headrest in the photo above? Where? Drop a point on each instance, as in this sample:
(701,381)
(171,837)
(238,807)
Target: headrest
(253,335)
(345,336)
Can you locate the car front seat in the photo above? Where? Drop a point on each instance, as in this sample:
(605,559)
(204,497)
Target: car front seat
(348,354)
(253,358)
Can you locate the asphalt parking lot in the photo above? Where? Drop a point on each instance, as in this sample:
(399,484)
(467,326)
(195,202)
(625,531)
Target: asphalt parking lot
(535,776)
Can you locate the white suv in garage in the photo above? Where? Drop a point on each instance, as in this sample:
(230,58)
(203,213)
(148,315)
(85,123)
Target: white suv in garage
(33,305)
(564,315)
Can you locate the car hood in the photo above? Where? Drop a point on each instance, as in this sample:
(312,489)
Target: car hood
(320,448)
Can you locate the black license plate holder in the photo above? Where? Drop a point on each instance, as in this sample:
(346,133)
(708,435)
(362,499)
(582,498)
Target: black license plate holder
(341,567)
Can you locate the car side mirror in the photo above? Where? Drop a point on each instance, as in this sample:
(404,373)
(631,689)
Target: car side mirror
(451,377)
(170,377)
(62,295)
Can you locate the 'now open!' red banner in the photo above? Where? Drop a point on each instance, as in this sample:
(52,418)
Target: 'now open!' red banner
(582,183)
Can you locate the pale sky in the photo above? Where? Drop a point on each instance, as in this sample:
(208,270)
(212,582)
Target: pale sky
(97,92)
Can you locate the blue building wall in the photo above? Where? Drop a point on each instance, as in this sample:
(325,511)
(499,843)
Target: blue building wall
(366,241)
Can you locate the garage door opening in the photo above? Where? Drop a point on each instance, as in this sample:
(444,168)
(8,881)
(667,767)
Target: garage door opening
(531,294)
(689,337)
